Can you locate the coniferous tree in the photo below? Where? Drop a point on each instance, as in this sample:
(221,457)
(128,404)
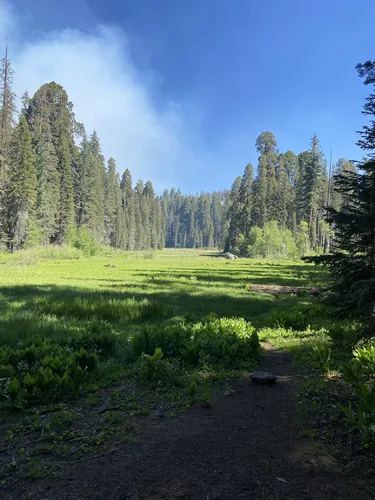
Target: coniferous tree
(301,194)
(246,200)
(111,205)
(7,110)
(353,261)
(314,190)
(284,194)
(22,187)
(66,218)
(97,173)
(233,215)
(128,211)
(334,195)
(49,114)
(265,204)
(48,192)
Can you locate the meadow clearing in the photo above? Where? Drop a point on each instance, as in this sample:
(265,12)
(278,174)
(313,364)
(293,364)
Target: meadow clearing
(91,347)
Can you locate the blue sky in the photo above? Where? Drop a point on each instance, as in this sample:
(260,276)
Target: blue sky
(185,87)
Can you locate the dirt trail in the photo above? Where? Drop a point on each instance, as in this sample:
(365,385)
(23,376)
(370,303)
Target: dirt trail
(246,446)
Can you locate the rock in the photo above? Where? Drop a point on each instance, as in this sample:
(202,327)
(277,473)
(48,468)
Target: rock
(156,414)
(230,256)
(263,378)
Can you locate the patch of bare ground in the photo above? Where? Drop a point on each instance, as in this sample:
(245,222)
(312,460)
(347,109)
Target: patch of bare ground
(247,445)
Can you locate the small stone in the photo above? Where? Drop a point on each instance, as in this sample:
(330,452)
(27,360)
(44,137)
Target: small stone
(263,378)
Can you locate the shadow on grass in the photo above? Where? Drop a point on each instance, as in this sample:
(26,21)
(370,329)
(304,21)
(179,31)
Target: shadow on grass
(52,309)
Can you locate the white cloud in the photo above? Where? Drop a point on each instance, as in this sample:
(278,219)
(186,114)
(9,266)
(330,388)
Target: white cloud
(108,94)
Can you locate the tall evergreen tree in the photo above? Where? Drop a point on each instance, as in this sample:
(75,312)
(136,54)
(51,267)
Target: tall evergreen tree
(48,191)
(335,197)
(49,114)
(7,110)
(246,200)
(111,205)
(353,261)
(22,187)
(128,210)
(283,194)
(265,204)
(314,190)
(233,214)
(66,218)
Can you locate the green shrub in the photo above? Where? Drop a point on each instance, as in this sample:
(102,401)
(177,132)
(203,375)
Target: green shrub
(344,333)
(271,241)
(170,338)
(42,369)
(83,240)
(322,354)
(227,342)
(297,318)
(359,373)
(148,255)
(34,255)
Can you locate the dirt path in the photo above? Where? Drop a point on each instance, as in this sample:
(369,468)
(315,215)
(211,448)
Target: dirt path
(246,446)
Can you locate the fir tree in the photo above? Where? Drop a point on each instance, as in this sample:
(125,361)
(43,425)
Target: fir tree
(22,187)
(7,110)
(353,261)
(246,200)
(66,217)
(233,215)
(265,204)
(111,205)
(48,192)
(128,210)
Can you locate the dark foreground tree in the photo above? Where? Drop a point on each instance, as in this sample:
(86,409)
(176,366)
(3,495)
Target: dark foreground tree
(352,262)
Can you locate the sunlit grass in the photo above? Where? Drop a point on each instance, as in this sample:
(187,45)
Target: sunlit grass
(64,294)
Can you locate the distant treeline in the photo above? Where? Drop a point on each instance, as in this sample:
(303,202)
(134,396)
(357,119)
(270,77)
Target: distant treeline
(54,180)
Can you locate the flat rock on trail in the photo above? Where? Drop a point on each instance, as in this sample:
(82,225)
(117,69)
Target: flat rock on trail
(247,446)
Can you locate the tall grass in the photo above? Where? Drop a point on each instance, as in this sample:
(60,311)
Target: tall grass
(34,255)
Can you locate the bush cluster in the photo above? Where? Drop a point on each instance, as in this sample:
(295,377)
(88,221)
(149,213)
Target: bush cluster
(41,369)
(227,343)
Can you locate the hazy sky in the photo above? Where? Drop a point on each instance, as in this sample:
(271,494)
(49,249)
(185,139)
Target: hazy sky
(179,90)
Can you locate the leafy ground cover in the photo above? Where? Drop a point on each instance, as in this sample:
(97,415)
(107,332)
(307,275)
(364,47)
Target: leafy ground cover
(90,347)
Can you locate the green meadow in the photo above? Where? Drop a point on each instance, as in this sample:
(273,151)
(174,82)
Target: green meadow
(56,297)
(89,346)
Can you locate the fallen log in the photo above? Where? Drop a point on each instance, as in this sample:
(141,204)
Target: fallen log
(288,290)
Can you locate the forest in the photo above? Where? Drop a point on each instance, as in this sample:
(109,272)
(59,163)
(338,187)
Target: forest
(56,187)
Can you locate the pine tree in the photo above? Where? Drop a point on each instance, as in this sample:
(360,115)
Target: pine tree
(128,210)
(301,194)
(97,173)
(48,192)
(7,110)
(216,216)
(284,194)
(49,114)
(246,200)
(141,224)
(111,204)
(66,218)
(265,203)
(314,190)
(233,215)
(22,187)
(353,261)
(341,168)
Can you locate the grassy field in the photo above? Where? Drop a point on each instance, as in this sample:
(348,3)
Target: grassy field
(64,297)
(109,315)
